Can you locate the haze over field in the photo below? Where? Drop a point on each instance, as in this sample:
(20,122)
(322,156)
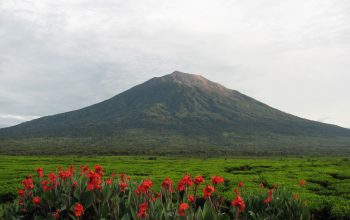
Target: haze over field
(61,56)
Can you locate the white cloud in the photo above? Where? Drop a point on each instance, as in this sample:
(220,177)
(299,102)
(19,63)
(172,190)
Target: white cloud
(57,56)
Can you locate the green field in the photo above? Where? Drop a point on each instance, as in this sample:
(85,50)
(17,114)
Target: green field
(327,190)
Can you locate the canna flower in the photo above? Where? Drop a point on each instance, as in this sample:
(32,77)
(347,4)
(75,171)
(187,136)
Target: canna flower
(190,198)
(83,169)
(240,184)
(45,186)
(108,181)
(75,184)
(302,182)
(239,203)
(40,172)
(64,174)
(182,208)
(267,200)
(208,190)
(122,186)
(36,200)
(28,183)
(122,177)
(78,210)
(142,210)
(20,193)
(216,180)
(187,180)
(167,184)
(144,186)
(94,180)
(198,180)
(71,169)
(98,169)
(52,176)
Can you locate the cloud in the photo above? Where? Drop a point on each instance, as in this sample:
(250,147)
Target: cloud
(58,56)
(8,120)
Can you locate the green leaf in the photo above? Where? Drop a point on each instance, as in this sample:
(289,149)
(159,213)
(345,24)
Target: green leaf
(125,217)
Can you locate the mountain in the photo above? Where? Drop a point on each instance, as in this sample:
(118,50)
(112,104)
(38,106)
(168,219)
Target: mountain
(177,112)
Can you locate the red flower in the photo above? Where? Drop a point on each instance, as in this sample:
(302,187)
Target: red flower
(183,183)
(75,184)
(122,186)
(40,172)
(142,210)
(217,180)
(187,180)
(238,202)
(78,210)
(302,182)
(270,192)
(108,181)
(240,184)
(208,190)
(182,208)
(94,180)
(64,174)
(71,169)
(198,180)
(190,198)
(36,200)
(98,169)
(20,193)
(83,169)
(52,177)
(28,183)
(122,177)
(267,200)
(180,186)
(45,186)
(144,186)
(167,184)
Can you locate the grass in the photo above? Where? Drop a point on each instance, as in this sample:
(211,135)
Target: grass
(327,190)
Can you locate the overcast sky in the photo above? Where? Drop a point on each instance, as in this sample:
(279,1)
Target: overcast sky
(57,56)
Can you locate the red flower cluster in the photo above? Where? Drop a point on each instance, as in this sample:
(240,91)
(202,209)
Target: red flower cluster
(269,197)
(94,180)
(142,210)
(40,172)
(168,184)
(144,186)
(216,180)
(208,190)
(182,208)
(28,183)
(198,180)
(64,174)
(78,210)
(36,200)
(184,182)
(239,203)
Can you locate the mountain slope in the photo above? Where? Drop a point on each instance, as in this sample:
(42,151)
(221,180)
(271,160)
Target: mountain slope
(180,109)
